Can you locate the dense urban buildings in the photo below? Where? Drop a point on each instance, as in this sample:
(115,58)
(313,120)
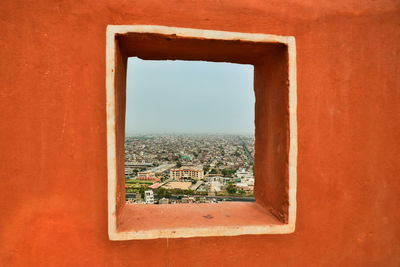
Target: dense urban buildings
(170,169)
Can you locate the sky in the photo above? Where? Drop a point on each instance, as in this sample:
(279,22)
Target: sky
(194,97)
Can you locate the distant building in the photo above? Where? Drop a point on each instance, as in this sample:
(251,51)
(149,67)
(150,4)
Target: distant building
(214,186)
(163,201)
(138,165)
(220,179)
(186,172)
(154,186)
(128,171)
(186,157)
(244,174)
(185,200)
(249,181)
(130,200)
(147,176)
(144,175)
(149,197)
(244,186)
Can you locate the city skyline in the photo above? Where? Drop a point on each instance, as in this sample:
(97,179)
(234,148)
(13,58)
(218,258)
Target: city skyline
(195,97)
(181,169)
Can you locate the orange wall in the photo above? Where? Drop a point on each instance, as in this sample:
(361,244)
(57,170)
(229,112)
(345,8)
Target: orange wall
(53,206)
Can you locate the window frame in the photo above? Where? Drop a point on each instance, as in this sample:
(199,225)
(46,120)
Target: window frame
(116,205)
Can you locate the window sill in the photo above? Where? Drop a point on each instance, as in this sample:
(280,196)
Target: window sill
(141,221)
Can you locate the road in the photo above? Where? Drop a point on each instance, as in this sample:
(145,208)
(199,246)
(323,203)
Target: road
(246,150)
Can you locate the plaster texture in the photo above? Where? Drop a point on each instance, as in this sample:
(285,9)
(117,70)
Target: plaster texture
(53,167)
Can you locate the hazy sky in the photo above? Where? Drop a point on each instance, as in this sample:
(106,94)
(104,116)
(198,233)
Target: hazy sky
(189,97)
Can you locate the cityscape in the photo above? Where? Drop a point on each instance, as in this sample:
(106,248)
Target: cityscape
(189,168)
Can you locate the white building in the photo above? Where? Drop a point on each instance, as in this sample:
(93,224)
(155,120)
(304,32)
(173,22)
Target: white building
(243,174)
(163,201)
(215,186)
(244,186)
(145,175)
(220,179)
(249,181)
(149,197)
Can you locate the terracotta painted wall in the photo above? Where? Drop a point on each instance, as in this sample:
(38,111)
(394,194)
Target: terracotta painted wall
(53,207)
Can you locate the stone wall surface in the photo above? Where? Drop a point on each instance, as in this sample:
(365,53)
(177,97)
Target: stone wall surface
(53,189)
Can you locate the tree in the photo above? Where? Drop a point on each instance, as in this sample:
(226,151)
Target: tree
(213,171)
(141,192)
(228,172)
(189,192)
(231,189)
(206,168)
(162,192)
(177,191)
(178,164)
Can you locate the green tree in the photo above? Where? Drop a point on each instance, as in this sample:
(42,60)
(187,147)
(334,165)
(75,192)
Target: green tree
(231,189)
(141,192)
(206,168)
(228,172)
(177,191)
(178,164)
(189,192)
(162,192)
(213,171)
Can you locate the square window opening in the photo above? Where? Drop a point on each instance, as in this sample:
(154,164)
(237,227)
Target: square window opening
(275,160)
(189,132)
